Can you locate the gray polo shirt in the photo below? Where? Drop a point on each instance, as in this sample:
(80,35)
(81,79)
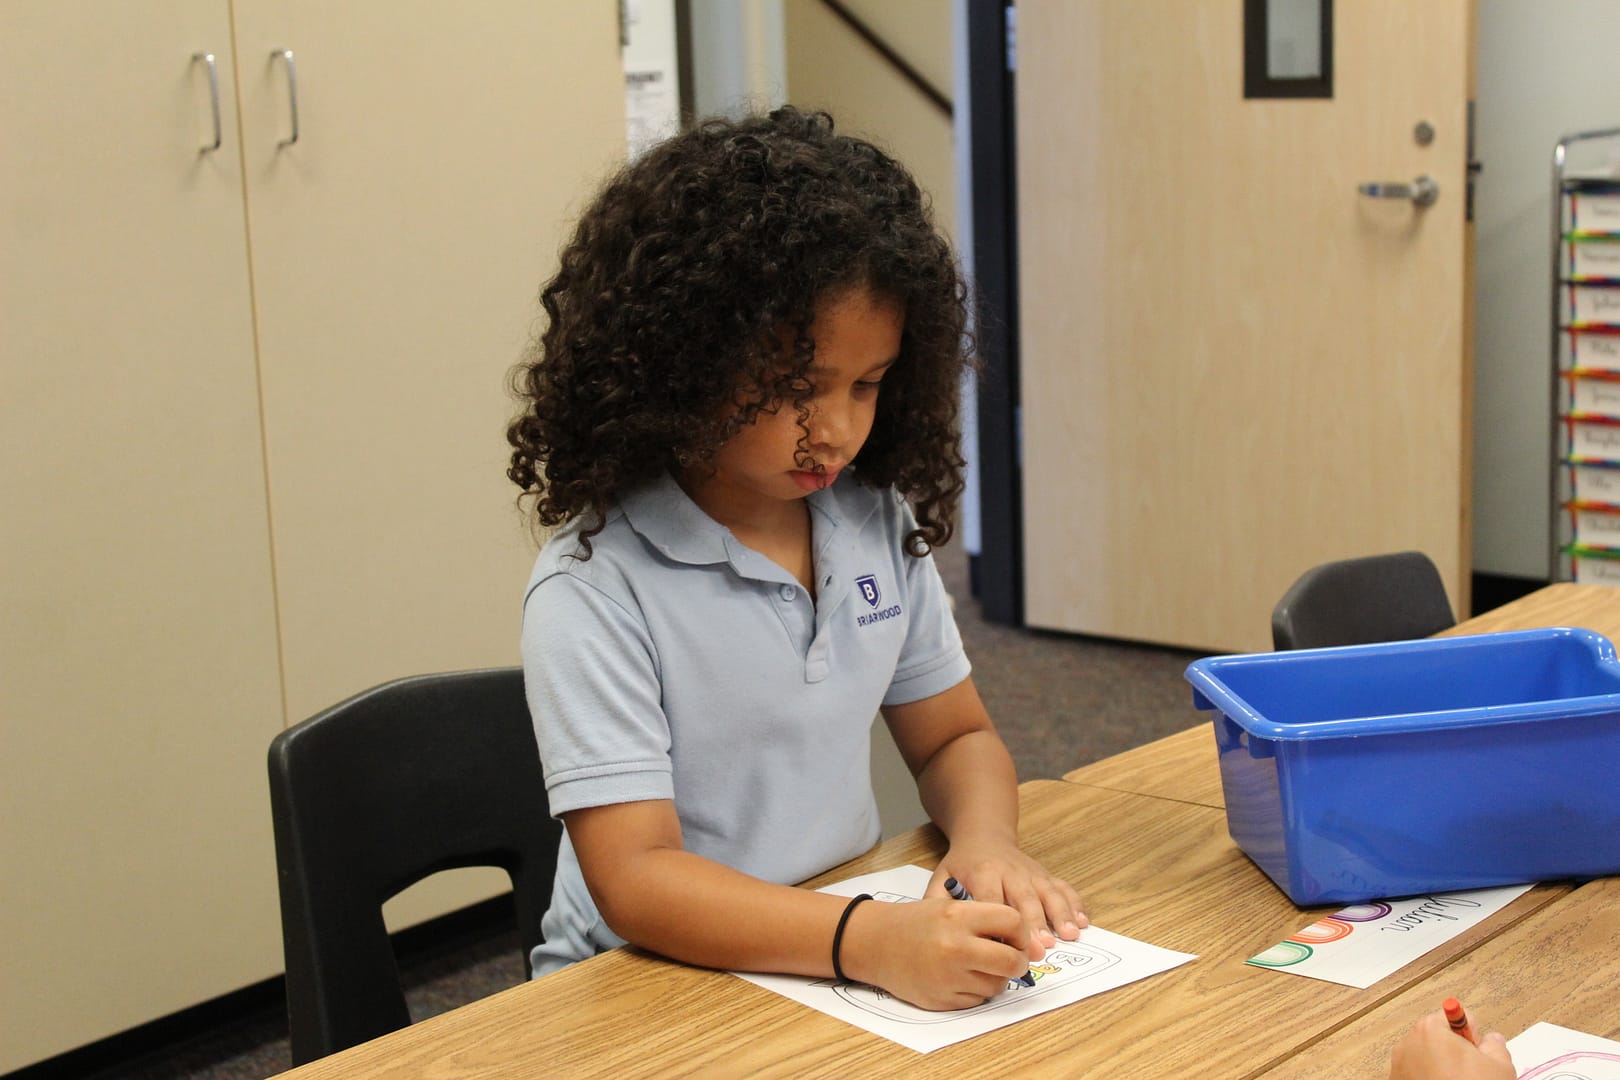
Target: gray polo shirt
(677,663)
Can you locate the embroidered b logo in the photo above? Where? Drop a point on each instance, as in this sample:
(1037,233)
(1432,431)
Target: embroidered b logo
(869,588)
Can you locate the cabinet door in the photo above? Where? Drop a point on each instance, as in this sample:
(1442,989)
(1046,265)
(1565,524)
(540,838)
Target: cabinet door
(139,655)
(398,249)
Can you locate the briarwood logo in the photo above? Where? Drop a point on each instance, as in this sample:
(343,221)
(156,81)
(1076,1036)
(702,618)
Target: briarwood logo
(869,589)
(878,616)
(870,592)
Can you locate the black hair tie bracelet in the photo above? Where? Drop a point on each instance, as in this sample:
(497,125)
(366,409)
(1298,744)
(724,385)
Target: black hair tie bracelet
(838,934)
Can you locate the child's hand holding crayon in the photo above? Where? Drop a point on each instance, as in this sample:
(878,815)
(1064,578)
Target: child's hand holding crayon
(1002,874)
(936,953)
(1441,1046)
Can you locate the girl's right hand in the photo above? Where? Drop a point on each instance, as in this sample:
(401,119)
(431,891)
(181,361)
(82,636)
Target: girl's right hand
(936,954)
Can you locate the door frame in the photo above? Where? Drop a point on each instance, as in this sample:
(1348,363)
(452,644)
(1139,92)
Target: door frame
(997,568)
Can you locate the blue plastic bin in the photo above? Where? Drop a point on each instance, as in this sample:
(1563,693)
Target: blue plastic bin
(1412,767)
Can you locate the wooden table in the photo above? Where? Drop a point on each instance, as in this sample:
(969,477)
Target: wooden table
(1184,766)
(1560,964)
(1154,869)
(1144,836)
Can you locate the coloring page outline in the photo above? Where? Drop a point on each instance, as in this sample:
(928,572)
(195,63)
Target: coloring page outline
(1062,965)
(1549,1052)
(1098,962)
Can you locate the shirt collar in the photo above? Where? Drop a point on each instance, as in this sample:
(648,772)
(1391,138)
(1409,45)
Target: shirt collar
(667,518)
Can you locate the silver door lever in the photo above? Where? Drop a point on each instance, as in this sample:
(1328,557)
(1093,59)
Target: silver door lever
(1423,191)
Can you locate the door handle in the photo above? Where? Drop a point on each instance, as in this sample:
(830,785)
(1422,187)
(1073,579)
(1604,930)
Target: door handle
(1423,191)
(213,98)
(292,92)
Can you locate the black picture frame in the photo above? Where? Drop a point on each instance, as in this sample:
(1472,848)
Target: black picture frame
(1257,82)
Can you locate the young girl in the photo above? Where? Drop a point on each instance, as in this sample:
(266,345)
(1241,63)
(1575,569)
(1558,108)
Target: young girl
(743,411)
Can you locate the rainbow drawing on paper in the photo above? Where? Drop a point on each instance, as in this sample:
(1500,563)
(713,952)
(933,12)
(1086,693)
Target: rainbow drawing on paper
(1296,948)
(1363,943)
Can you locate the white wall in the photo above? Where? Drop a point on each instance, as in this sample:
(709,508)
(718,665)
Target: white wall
(739,59)
(962,136)
(1546,69)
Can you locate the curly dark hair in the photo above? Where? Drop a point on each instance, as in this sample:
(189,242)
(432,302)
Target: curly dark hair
(681,285)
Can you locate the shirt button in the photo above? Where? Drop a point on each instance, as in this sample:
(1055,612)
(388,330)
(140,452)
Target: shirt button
(789,592)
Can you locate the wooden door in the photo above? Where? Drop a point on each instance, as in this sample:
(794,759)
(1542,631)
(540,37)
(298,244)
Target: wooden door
(398,249)
(1233,365)
(138,664)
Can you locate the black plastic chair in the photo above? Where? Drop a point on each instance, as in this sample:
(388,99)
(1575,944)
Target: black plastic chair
(1393,597)
(410,778)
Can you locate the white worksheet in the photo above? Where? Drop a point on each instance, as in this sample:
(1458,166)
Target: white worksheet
(1550,1052)
(1071,970)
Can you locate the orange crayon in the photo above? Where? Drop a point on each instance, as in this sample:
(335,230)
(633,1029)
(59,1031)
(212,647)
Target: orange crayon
(1458,1019)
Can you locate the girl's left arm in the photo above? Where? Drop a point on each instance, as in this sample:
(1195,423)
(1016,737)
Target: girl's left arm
(970,789)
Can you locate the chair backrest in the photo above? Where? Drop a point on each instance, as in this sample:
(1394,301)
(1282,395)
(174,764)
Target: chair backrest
(1392,597)
(412,777)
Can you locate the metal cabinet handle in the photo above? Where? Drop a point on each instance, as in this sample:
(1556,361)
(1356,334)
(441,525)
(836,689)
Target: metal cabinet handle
(1423,191)
(213,98)
(292,92)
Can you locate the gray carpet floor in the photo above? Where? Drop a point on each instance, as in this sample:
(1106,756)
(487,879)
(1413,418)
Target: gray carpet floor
(1060,701)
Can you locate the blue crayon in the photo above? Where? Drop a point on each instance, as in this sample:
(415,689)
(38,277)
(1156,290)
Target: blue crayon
(958,891)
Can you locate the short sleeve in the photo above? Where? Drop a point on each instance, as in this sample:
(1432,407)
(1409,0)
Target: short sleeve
(591,676)
(931,660)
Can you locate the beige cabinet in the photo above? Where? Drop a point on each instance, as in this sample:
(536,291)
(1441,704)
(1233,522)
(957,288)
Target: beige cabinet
(251,410)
